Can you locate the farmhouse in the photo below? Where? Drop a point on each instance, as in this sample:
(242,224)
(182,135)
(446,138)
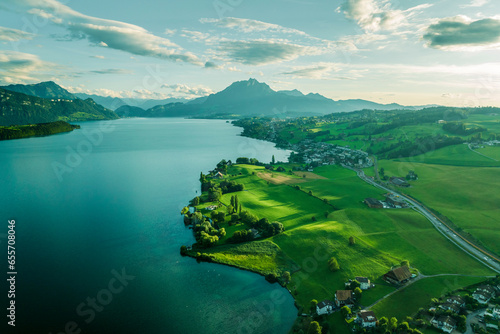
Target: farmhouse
(445,323)
(395,201)
(219,175)
(325,307)
(483,294)
(374,203)
(344,298)
(399,181)
(368,319)
(364,282)
(398,276)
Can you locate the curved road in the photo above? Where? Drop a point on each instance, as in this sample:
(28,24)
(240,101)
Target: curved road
(485,258)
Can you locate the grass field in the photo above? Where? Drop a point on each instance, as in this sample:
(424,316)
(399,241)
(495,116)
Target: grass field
(468,196)
(458,155)
(383,237)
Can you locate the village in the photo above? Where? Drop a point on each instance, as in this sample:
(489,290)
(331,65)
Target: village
(472,310)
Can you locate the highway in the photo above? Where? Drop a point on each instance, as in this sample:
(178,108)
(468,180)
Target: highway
(480,255)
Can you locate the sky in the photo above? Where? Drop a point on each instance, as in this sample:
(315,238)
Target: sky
(409,52)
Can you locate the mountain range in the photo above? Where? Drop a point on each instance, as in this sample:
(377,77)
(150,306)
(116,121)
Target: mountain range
(47,101)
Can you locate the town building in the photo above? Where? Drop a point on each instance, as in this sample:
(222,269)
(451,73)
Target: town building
(364,282)
(446,323)
(483,294)
(374,203)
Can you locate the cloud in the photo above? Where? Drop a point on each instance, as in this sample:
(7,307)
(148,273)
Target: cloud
(377,15)
(98,57)
(108,33)
(18,67)
(475,3)
(112,71)
(13,35)
(461,33)
(195,36)
(247,25)
(318,71)
(210,64)
(261,52)
(181,90)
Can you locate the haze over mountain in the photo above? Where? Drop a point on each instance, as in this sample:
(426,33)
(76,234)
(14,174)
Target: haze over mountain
(114,103)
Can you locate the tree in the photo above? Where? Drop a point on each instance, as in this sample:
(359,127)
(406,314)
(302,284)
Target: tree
(358,293)
(184,210)
(313,304)
(222,232)
(232,202)
(333,264)
(240,209)
(314,328)
(195,201)
(214,194)
(273,161)
(286,276)
(352,241)
(346,311)
(393,324)
(221,216)
(326,214)
(183,250)
(405,263)
(236,203)
(230,209)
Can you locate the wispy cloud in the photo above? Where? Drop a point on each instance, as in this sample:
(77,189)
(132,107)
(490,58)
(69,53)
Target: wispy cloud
(18,67)
(181,90)
(248,25)
(317,71)
(13,35)
(261,52)
(378,15)
(108,33)
(112,71)
(475,3)
(462,33)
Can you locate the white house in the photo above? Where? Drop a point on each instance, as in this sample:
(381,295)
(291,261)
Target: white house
(483,294)
(324,307)
(445,323)
(368,319)
(364,282)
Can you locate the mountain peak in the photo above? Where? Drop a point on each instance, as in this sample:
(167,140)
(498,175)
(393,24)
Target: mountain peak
(46,90)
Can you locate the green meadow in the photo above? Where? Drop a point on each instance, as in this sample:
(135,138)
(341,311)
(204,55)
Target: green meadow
(468,196)
(319,219)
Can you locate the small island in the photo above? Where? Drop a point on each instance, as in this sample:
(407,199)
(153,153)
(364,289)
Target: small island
(35,130)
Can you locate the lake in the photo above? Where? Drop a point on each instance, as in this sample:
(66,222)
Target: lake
(98,232)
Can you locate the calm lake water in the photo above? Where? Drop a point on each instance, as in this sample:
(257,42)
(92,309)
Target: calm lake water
(98,232)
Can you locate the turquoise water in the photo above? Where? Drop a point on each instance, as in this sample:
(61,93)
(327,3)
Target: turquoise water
(89,208)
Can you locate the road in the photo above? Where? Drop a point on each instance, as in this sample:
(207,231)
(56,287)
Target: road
(480,255)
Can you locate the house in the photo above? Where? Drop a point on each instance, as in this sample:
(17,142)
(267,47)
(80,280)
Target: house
(483,294)
(368,319)
(344,298)
(395,201)
(399,275)
(255,233)
(364,282)
(374,203)
(494,313)
(219,175)
(445,323)
(451,307)
(399,181)
(325,307)
(457,300)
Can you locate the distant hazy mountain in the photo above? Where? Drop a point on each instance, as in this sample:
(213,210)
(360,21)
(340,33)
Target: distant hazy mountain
(253,98)
(46,90)
(18,108)
(114,103)
(293,92)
